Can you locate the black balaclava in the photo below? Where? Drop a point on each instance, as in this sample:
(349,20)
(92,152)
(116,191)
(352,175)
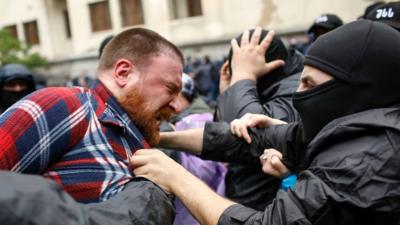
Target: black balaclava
(13,72)
(276,50)
(363,57)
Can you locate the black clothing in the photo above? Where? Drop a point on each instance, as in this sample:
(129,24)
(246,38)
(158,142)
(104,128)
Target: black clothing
(351,176)
(327,22)
(34,200)
(248,184)
(350,166)
(378,10)
(365,67)
(275,101)
(14,73)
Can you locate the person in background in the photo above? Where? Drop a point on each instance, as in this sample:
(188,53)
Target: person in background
(203,77)
(103,44)
(16,81)
(322,24)
(387,13)
(370,8)
(83,80)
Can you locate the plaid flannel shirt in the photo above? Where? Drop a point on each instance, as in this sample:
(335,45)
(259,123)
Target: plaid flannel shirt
(79,137)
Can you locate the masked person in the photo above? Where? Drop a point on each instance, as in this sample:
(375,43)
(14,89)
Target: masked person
(16,81)
(269,94)
(347,140)
(82,137)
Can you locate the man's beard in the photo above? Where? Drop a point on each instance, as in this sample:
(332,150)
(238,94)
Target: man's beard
(147,123)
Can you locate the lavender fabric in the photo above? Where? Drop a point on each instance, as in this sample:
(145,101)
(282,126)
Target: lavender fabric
(211,172)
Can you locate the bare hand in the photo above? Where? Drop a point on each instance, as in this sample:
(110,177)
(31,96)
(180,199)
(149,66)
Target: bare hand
(239,126)
(224,77)
(248,60)
(272,164)
(154,165)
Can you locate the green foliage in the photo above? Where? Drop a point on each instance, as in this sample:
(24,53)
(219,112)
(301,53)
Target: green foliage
(14,51)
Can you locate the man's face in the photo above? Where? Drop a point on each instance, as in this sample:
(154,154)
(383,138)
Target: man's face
(153,97)
(312,77)
(16,85)
(14,90)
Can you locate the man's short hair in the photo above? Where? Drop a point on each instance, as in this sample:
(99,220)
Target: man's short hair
(137,45)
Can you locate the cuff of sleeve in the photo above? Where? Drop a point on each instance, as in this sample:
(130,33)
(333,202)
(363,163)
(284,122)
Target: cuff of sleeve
(214,134)
(236,214)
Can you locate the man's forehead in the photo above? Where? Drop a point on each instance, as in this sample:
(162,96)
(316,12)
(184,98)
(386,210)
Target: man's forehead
(170,60)
(175,79)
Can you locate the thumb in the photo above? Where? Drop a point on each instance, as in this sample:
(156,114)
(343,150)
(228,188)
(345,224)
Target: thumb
(273,65)
(279,166)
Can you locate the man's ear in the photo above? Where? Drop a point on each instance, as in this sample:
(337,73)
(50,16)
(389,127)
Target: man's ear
(122,69)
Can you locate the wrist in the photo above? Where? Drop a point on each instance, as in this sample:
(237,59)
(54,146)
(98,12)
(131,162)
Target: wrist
(242,76)
(179,179)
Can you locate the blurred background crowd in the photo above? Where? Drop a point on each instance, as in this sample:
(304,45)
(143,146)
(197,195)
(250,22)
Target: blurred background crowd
(58,40)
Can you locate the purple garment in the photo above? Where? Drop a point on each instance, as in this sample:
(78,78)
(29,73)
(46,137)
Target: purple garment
(211,172)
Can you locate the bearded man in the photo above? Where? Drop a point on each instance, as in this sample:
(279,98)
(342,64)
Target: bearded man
(82,137)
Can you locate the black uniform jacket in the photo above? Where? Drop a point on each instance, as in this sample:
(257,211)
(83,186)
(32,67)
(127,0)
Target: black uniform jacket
(350,171)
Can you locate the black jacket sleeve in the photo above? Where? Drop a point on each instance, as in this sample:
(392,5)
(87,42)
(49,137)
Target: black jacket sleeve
(309,203)
(242,98)
(352,178)
(245,98)
(220,144)
(33,200)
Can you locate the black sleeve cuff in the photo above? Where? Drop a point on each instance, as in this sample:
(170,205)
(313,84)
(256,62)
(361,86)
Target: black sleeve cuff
(219,144)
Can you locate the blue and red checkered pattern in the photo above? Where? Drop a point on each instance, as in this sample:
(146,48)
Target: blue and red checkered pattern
(79,137)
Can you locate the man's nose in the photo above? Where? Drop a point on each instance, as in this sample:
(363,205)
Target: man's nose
(19,87)
(176,105)
(15,87)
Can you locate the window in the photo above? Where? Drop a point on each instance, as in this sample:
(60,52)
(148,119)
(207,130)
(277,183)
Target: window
(194,8)
(131,12)
(100,16)
(31,33)
(186,8)
(12,30)
(66,24)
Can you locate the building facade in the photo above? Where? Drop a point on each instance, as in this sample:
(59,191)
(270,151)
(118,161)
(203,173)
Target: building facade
(69,32)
